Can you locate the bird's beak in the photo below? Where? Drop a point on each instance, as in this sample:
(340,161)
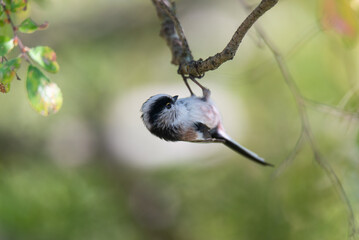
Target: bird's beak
(175,98)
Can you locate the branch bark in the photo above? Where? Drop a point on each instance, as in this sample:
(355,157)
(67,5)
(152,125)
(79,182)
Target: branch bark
(172,32)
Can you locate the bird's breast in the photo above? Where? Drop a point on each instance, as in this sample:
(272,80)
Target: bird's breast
(193,110)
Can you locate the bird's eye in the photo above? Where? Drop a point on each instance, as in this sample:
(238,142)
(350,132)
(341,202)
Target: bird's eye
(168,105)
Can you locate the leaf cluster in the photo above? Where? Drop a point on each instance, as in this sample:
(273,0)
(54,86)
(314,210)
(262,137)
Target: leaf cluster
(44,95)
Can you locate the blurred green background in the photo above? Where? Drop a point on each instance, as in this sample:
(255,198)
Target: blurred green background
(91,171)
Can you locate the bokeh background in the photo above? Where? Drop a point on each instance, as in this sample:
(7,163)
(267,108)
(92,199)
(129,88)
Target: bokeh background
(93,171)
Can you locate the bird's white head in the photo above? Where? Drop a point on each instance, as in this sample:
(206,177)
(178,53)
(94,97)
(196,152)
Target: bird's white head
(159,110)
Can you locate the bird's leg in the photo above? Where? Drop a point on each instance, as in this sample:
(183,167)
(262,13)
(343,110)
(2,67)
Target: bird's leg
(189,88)
(185,79)
(206,91)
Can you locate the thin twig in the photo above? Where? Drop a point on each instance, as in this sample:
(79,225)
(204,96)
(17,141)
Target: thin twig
(344,101)
(3,58)
(199,67)
(328,169)
(304,40)
(267,64)
(286,162)
(306,128)
(333,109)
(17,40)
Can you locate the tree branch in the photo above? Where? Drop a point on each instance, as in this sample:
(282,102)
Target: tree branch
(172,32)
(17,40)
(181,54)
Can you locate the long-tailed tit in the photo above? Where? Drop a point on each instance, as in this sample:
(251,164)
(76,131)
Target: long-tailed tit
(191,119)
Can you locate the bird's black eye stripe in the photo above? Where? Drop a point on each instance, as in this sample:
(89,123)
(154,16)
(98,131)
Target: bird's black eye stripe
(157,107)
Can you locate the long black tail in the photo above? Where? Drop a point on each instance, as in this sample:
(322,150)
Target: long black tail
(245,152)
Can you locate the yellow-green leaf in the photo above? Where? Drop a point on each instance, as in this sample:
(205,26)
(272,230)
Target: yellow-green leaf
(6,44)
(44,96)
(16,5)
(341,18)
(29,26)
(7,73)
(45,57)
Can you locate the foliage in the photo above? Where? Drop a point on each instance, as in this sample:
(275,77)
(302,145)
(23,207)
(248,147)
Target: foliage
(44,96)
(340,17)
(8,71)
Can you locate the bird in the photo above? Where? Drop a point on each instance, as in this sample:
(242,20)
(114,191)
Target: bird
(190,119)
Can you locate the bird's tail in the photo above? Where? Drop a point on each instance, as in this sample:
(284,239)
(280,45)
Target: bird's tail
(245,152)
(242,150)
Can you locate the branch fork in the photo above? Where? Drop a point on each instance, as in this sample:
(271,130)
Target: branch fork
(172,32)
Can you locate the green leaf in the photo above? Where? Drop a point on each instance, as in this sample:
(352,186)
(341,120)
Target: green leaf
(45,57)
(8,72)
(340,17)
(29,26)
(44,96)
(6,44)
(2,22)
(16,5)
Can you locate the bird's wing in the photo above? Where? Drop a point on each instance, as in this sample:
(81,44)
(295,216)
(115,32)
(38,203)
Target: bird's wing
(204,130)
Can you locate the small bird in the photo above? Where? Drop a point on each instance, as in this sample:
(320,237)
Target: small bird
(191,119)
